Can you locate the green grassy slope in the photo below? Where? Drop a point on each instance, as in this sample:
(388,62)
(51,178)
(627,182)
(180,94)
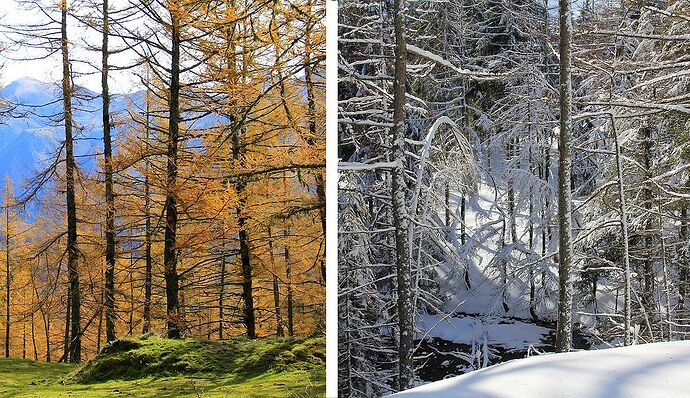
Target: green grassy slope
(154,367)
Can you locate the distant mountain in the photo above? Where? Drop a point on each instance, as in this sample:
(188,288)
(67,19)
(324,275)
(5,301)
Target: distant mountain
(29,140)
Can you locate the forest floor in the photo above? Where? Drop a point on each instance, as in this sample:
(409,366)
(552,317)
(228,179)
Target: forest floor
(154,367)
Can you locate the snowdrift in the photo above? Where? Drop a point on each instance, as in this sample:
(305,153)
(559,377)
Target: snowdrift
(641,371)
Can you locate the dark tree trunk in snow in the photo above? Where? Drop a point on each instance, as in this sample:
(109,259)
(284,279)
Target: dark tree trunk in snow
(400,217)
(648,197)
(684,265)
(624,238)
(565,248)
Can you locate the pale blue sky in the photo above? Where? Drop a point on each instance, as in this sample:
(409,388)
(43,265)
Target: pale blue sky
(49,70)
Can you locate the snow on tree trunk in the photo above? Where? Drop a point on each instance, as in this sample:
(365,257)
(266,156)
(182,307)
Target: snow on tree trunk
(565,248)
(400,214)
(624,231)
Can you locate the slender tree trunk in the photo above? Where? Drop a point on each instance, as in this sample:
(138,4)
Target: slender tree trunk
(46,320)
(684,264)
(624,230)
(276,305)
(68,317)
(70,166)
(564,336)
(511,221)
(648,197)
(131,294)
(33,336)
(170,251)
(99,336)
(321,194)
(109,195)
(247,281)
(446,189)
(503,264)
(8,280)
(288,274)
(46,326)
(532,284)
(221,294)
(400,216)
(463,239)
(101,311)
(243,235)
(545,227)
(148,275)
(664,267)
(311,117)
(276,290)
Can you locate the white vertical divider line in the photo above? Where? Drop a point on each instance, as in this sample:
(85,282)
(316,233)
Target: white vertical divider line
(332,198)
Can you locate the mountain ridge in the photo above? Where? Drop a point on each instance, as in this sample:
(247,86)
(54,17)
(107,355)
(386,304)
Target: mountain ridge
(30,136)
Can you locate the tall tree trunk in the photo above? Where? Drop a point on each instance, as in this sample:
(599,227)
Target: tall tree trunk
(44,316)
(170,251)
(109,195)
(247,281)
(8,280)
(72,249)
(546,166)
(148,275)
(564,336)
(648,197)
(503,266)
(33,337)
(684,264)
(276,290)
(68,317)
(131,294)
(46,327)
(276,304)
(624,231)
(463,240)
(506,225)
(311,116)
(99,335)
(221,294)
(400,217)
(446,191)
(243,235)
(288,274)
(532,285)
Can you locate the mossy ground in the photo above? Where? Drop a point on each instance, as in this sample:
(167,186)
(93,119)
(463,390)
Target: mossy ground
(153,367)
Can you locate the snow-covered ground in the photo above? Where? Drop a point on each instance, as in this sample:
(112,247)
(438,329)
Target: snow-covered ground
(641,371)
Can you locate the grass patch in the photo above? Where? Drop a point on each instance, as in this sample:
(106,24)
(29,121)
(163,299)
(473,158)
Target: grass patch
(155,367)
